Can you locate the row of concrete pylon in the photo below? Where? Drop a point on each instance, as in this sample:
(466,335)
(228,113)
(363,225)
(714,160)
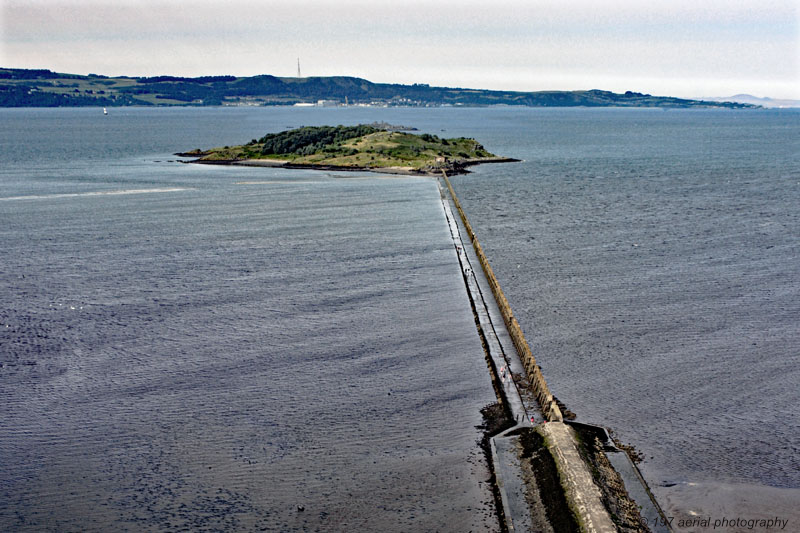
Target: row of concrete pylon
(535,377)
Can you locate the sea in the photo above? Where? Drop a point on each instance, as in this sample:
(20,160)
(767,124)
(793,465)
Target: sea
(191,347)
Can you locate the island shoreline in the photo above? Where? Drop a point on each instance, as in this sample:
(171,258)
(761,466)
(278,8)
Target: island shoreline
(459,167)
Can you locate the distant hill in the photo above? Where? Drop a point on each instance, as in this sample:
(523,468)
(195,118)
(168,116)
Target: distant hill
(44,88)
(755,100)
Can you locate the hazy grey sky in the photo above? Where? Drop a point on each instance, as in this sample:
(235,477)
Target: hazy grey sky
(672,47)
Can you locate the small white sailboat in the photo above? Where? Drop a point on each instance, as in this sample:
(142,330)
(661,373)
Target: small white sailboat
(105,111)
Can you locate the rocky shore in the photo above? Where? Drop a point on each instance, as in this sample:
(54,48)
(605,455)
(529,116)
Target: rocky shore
(451,167)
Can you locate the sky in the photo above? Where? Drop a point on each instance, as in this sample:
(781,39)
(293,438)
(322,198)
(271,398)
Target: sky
(670,48)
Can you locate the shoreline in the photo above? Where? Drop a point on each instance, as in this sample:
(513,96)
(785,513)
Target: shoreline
(457,167)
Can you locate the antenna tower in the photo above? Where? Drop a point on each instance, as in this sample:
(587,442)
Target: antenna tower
(298,67)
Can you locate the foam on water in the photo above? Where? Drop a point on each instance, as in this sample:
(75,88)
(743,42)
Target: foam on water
(93,193)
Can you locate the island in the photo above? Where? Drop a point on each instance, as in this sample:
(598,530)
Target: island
(362,147)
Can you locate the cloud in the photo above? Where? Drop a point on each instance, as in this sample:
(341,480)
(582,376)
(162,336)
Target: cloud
(465,43)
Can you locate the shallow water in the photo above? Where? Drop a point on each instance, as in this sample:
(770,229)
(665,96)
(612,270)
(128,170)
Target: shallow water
(211,347)
(183,350)
(652,260)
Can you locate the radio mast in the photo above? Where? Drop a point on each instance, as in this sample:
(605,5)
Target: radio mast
(298,67)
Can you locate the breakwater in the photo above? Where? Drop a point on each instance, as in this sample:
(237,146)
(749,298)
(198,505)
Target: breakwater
(538,384)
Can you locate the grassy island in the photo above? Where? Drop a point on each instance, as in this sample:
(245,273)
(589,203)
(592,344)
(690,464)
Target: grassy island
(362,147)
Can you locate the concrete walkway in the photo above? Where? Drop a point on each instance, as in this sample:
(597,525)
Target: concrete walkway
(582,494)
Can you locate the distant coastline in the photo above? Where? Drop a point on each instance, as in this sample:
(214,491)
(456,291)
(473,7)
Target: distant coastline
(44,88)
(769,103)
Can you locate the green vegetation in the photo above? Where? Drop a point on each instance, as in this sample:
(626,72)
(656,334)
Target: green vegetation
(44,88)
(359,146)
(308,141)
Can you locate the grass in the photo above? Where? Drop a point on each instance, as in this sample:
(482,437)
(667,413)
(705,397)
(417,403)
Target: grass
(82,86)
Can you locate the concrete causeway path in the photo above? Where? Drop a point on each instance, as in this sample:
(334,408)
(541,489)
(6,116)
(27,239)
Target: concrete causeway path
(582,494)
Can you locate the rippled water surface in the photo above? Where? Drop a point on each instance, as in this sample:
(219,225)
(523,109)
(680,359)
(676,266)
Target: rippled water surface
(653,260)
(188,347)
(209,347)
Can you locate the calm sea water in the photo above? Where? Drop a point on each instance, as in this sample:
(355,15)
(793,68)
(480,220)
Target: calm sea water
(207,348)
(188,346)
(653,260)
